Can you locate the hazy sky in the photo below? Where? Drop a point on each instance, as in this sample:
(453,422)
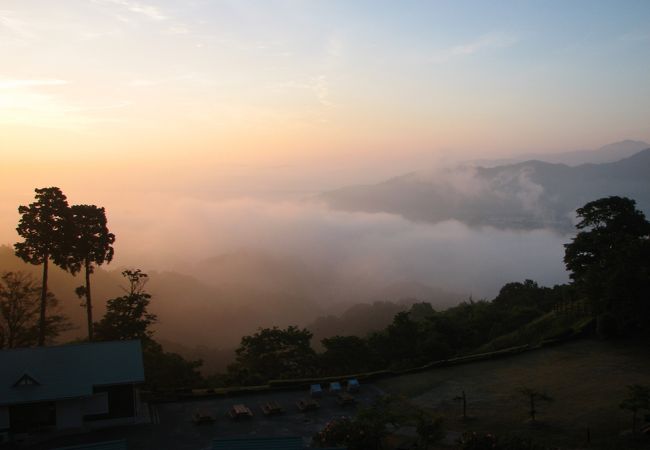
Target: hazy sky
(317,82)
(116,98)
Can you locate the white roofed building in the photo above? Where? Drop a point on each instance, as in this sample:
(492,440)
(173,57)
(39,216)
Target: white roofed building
(69,386)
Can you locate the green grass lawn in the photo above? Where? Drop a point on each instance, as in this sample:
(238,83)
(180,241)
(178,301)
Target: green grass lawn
(587,380)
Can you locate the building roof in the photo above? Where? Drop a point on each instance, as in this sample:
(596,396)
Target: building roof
(67,371)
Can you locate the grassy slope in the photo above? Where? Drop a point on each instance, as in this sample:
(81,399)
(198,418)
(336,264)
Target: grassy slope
(548,326)
(586,378)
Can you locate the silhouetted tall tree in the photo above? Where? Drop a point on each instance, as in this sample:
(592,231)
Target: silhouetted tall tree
(90,246)
(609,259)
(43,228)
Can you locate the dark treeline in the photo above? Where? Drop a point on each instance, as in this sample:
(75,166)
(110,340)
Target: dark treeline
(415,337)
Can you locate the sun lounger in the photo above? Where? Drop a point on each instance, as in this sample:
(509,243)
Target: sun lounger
(202,417)
(353,385)
(335,387)
(307,404)
(239,411)
(271,408)
(316,391)
(345,399)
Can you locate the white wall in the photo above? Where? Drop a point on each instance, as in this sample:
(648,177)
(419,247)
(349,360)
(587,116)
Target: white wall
(69,414)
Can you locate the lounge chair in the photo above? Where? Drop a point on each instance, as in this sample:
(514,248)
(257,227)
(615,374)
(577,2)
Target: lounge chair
(353,385)
(345,399)
(240,410)
(316,391)
(271,408)
(307,404)
(203,417)
(335,387)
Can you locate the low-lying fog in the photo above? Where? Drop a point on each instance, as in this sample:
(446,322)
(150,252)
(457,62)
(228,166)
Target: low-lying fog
(338,253)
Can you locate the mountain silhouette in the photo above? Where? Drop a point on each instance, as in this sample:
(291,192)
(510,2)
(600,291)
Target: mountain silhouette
(527,195)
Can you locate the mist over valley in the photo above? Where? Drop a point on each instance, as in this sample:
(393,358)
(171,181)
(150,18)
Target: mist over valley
(346,261)
(441,237)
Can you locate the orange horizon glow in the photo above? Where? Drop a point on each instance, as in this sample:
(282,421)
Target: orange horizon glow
(116,98)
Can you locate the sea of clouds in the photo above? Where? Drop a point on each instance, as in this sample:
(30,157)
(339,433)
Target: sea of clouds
(174,233)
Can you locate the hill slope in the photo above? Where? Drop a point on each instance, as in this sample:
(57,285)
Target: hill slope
(587,380)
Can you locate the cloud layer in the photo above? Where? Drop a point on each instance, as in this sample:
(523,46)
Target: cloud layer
(350,250)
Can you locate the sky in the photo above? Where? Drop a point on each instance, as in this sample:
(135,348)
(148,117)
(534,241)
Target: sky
(116,100)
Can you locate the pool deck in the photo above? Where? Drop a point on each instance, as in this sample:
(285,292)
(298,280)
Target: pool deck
(172,425)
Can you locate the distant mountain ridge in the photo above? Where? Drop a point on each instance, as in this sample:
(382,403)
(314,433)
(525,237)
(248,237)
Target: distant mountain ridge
(608,153)
(525,195)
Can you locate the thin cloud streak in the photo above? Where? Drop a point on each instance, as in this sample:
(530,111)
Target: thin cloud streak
(149,11)
(488,41)
(18,84)
(189,78)
(16,27)
(23,102)
(635,36)
(321,89)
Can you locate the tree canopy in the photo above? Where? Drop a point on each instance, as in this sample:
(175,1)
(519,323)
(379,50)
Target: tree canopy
(90,244)
(345,354)
(19,312)
(43,227)
(274,353)
(609,260)
(127,317)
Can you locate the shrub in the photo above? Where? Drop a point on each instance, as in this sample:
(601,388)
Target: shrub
(606,326)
